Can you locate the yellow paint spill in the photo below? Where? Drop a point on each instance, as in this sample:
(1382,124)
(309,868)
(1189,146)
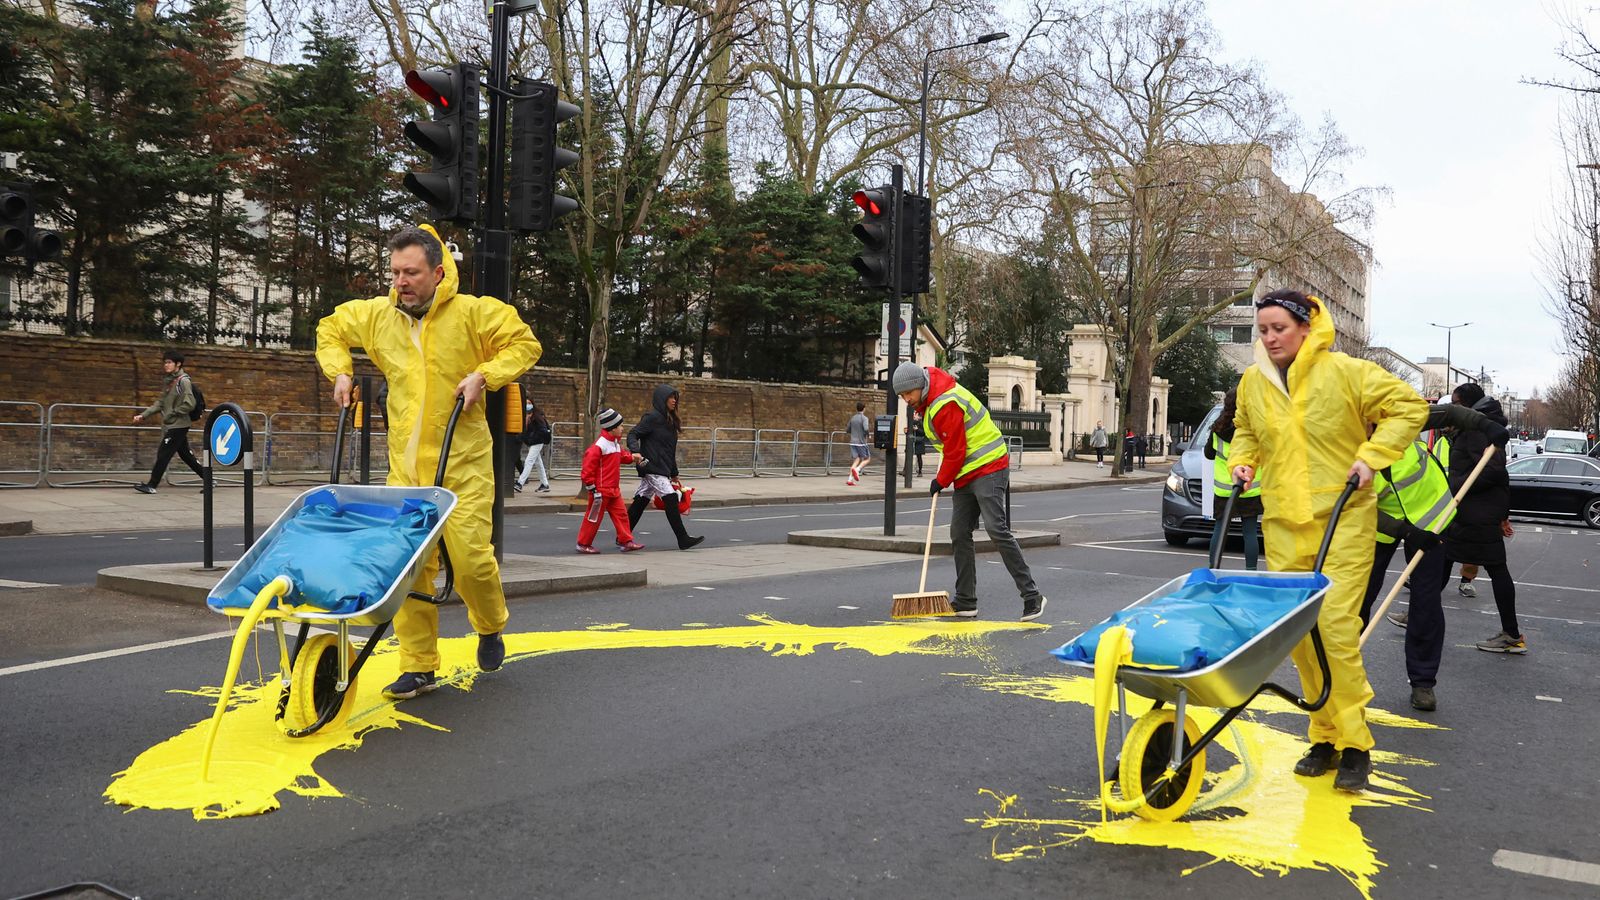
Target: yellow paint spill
(254,763)
(1262,817)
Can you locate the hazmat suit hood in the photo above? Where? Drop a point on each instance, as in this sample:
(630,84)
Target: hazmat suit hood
(1316,345)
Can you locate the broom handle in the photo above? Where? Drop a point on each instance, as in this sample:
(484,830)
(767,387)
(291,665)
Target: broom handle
(927,545)
(1416,558)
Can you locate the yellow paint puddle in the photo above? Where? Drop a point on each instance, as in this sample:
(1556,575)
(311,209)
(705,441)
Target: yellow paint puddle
(1255,814)
(254,764)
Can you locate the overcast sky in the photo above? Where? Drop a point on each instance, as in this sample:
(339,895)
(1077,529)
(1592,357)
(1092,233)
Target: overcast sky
(1431,90)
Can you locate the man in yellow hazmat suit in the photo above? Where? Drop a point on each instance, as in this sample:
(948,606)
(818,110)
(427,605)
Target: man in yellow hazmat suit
(434,344)
(1303,418)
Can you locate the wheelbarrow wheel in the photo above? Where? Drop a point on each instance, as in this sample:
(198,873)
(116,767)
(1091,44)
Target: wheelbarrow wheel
(1145,758)
(314,685)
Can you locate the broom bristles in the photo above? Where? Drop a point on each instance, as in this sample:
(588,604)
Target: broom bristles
(931,603)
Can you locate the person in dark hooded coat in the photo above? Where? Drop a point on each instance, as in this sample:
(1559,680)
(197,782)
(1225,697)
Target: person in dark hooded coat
(1477,534)
(656,439)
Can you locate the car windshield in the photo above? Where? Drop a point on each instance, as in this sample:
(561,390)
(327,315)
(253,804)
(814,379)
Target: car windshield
(1565,445)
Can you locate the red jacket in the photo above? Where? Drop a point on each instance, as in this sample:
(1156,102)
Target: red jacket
(602,465)
(951,427)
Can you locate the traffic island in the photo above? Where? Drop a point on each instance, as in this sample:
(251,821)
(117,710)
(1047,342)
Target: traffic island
(911,539)
(523,576)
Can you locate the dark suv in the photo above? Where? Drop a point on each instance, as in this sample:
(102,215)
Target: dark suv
(1182,517)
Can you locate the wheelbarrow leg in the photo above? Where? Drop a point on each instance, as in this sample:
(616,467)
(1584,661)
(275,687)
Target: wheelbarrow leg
(1180,713)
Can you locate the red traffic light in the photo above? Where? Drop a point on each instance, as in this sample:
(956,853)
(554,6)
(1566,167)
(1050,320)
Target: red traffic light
(432,86)
(869,202)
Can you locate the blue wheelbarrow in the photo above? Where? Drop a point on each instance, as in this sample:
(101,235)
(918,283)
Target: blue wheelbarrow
(340,556)
(1212,638)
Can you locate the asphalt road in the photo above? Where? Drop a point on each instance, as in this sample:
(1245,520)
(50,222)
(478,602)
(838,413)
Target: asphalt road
(689,771)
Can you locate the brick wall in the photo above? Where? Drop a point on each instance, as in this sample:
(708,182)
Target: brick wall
(51,369)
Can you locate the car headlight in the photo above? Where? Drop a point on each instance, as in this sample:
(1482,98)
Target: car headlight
(1175,483)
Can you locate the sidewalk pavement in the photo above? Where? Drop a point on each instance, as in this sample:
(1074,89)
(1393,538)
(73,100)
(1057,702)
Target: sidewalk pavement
(46,510)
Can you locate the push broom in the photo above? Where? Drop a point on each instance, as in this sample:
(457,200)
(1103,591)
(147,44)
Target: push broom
(923,602)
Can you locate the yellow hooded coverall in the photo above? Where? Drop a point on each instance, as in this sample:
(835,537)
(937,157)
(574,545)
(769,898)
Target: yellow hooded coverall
(423,360)
(1303,437)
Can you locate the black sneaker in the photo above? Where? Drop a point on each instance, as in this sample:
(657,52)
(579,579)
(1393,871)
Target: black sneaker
(1422,698)
(967,609)
(1317,760)
(1032,608)
(491,651)
(542,489)
(690,542)
(1354,767)
(411,684)
(143,488)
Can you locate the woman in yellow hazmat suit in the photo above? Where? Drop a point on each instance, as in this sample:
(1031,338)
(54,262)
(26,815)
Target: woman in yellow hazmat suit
(432,344)
(1303,417)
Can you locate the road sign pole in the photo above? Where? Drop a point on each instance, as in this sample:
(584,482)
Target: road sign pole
(228,441)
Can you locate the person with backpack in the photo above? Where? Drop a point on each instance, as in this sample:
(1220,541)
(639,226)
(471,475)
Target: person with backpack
(535,436)
(179,406)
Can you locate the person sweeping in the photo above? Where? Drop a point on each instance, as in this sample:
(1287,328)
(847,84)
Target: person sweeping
(1302,419)
(973,460)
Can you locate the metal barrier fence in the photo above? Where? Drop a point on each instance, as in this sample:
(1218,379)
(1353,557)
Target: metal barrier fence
(98,441)
(299,449)
(17,446)
(80,445)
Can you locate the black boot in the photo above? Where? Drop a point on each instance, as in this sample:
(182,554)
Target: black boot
(1354,767)
(1317,760)
(636,510)
(675,519)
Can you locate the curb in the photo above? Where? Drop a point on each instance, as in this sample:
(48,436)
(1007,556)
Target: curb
(870,539)
(15,527)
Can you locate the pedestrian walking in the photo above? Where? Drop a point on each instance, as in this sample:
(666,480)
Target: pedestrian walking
(434,344)
(1413,499)
(535,436)
(1099,441)
(602,476)
(656,439)
(1302,418)
(975,463)
(1248,505)
(859,432)
(1477,536)
(175,406)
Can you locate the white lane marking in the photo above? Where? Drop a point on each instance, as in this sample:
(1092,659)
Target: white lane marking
(135,539)
(774,598)
(107,654)
(703,588)
(1547,866)
(1141,512)
(1536,530)
(163,539)
(1547,699)
(764,518)
(1190,555)
(736,540)
(1521,615)
(6,582)
(1112,544)
(849,607)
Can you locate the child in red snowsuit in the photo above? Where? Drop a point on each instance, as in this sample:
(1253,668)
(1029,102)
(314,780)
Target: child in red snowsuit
(601,474)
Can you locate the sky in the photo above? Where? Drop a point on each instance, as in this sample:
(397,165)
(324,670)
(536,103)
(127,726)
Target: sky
(1432,92)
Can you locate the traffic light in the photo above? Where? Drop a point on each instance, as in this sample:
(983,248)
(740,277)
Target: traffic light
(451,139)
(20,241)
(915,248)
(535,158)
(876,231)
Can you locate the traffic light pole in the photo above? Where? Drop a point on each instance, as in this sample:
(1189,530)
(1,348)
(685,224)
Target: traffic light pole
(494,248)
(896,284)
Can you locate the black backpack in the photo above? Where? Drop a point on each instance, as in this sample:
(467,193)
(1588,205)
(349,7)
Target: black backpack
(199,402)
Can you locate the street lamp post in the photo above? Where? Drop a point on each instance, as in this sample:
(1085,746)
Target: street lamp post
(922,186)
(1449,335)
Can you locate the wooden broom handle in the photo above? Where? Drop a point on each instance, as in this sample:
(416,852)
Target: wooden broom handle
(927,545)
(1372,621)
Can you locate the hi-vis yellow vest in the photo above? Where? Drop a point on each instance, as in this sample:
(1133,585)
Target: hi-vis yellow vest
(985,443)
(1416,489)
(1222,473)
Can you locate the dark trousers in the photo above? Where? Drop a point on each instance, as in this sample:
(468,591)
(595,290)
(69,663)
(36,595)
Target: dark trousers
(175,440)
(669,505)
(1505,596)
(985,498)
(1099,454)
(1425,622)
(1250,535)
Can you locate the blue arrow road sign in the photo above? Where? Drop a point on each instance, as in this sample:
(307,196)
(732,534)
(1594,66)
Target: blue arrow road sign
(225,440)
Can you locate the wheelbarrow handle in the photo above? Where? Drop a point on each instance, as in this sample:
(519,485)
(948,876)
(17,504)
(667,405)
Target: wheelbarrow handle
(1333,522)
(1227,516)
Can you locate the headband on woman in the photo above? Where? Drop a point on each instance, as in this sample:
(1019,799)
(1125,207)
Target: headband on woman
(1301,311)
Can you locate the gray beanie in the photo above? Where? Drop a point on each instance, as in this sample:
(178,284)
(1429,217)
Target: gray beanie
(609,418)
(909,376)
